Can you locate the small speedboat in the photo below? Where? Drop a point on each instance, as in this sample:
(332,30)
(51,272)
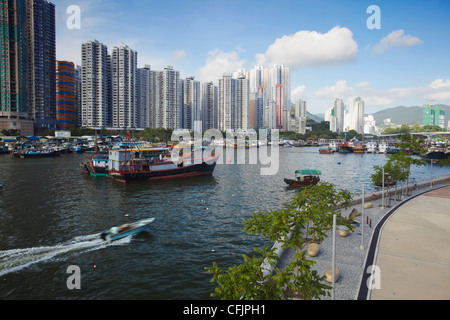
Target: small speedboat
(126,230)
(1,186)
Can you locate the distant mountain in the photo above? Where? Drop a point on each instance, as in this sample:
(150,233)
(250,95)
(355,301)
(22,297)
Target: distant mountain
(316,117)
(406,115)
(398,115)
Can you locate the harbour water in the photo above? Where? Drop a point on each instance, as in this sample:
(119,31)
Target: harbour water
(51,215)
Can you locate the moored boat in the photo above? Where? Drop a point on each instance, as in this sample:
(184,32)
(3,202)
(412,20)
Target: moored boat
(358,148)
(97,165)
(326,151)
(304,178)
(130,165)
(435,154)
(36,153)
(372,147)
(126,230)
(345,148)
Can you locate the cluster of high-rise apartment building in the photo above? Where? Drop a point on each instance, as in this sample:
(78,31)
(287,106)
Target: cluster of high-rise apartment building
(117,94)
(343,120)
(109,90)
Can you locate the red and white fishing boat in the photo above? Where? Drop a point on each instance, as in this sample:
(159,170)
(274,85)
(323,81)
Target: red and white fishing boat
(128,165)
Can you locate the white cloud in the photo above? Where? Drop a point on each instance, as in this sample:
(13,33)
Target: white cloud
(440,83)
(363,84)
(179,54)
(298,93)
(396,38)
(339,90)
(312,49)
(218,63)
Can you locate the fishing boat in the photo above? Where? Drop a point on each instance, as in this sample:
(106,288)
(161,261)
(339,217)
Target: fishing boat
(36,153)
(435,154)
(382,147)
(129,165)
(358,148)
(126,230)
(345,147)
(97,165)
(304,178)
(326,151)
(372,147)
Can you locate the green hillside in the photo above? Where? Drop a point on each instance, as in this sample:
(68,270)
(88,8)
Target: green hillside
(406,115)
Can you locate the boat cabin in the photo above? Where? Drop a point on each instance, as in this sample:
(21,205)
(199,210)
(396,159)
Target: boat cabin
(307,175)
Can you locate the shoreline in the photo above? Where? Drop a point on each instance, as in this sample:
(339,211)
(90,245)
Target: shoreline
(353,252)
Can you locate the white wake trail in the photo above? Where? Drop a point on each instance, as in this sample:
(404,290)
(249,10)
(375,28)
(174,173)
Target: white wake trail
(18,259)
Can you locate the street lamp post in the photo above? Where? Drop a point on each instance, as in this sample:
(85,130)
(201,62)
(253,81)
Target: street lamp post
(382,192)
(431,182)
(362,218)
(333,274)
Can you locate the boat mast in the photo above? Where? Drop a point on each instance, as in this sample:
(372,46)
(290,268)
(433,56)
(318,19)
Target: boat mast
(96,146)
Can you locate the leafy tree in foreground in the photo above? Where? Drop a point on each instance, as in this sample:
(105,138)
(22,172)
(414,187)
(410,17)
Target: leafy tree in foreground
(409,145)
(302,221)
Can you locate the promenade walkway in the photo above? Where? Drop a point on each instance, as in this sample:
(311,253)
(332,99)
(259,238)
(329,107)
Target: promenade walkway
(413,254)
(409,242)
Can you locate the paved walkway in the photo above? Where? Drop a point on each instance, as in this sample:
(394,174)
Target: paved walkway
(413,253)
(409,241)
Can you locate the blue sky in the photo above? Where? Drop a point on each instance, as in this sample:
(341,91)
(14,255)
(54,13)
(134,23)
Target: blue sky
(326,43)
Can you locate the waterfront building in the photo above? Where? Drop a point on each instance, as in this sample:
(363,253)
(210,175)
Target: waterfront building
(434,116)
(15,114)
(257,108)
(280,80)
(65,94)
(156,117)
(124,69)
(209,103)
(227,102)
(370,125)
(298,123)
(143,97)
(274,82)
(96,85)
(28,68)
(191,110)
(278,103)
(171,96)
(42,63)
(336,116)
(242,103)
(78,96)
(338,112)
(233,105)
(357,108)
(271,115)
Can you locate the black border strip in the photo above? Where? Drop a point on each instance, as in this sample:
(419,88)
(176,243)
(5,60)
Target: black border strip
(363,293)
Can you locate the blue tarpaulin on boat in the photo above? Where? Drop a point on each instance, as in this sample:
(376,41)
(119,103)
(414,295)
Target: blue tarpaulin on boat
(32,138)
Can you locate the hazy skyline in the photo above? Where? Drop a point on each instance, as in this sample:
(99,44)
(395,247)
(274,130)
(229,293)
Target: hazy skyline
(327,45)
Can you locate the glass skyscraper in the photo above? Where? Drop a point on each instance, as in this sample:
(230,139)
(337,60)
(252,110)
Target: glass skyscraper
(28,66)
(15,116)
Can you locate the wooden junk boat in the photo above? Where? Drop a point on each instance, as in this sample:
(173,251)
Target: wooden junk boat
(326,151)
(129,165)
(304,178)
